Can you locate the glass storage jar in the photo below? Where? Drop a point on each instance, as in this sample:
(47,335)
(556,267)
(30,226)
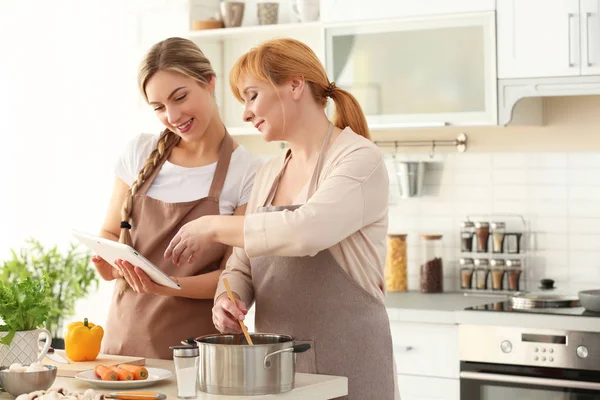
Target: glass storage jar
(395,263)
(432,270)
(514,274)
(466,272)
(467,231)
(498,270)
(481,272)
(482,231)
(498,230)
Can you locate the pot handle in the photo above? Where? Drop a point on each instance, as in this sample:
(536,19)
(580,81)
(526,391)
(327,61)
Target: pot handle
(188,341)
(298,348)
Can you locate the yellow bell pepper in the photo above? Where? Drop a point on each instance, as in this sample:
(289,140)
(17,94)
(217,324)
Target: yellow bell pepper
(83,341)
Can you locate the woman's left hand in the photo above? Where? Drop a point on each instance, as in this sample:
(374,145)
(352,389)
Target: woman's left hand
(138,279)
(189,241)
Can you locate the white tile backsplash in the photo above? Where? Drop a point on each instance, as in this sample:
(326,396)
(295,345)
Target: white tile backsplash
(558,194)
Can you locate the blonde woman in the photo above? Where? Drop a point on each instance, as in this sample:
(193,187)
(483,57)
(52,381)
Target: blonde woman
(310,251)
(192,169)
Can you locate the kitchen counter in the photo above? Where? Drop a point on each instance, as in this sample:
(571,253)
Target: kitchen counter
(308,386)
(438,308)
(449,308)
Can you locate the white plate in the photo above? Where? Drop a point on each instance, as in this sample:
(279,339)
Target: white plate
(154,375)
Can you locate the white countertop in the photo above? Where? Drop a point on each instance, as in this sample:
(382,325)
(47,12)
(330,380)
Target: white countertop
(307,386)
(438,308)
(449,308)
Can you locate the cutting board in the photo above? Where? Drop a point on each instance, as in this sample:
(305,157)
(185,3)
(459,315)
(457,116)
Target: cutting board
(69,370)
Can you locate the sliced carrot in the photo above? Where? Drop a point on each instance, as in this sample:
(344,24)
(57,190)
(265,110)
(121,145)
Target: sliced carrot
(106,374)
(139,373)
(123,374)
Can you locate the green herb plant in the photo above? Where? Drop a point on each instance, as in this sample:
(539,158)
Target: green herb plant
(24,305)
(70,277)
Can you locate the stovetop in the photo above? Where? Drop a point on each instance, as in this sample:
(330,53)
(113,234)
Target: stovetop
(505,306)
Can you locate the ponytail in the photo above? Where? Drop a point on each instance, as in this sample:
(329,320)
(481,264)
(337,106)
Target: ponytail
(348,112)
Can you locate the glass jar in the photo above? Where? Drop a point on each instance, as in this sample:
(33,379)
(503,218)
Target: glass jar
(481,272)
(498,229)
(482,231)
(513,242)
(514,274)
(432,270)
(467,230)
(186,360)
(395,263)
(466,272)
(498,270)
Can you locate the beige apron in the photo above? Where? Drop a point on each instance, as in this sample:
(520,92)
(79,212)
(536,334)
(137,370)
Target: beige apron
(314,300)
(143,324)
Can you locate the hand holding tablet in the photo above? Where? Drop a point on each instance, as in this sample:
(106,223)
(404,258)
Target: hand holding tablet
(112,251)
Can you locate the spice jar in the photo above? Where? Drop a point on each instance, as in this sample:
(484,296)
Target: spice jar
(498,229)
(481,272)
(514,274)
(395,264)
(498,270)
(482,231)
(467,230)
(513,243)
(186,360)
(432,273)
(466,272)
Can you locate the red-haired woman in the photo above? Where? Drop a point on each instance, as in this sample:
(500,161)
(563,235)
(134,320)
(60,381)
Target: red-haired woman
(310,251)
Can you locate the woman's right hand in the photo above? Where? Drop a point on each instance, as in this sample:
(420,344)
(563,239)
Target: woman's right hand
(226,314)
(106,271)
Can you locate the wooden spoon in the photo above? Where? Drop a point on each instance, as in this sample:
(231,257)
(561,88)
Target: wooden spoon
(230,295)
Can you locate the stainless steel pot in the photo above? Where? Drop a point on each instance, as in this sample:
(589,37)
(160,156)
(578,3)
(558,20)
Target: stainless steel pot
(229,366)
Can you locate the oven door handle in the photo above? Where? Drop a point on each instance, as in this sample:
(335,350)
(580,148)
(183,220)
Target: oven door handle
(528,380)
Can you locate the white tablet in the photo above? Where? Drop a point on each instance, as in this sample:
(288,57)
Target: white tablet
(111,251)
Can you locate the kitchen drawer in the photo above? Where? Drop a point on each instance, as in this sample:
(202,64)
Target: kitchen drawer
(427,388)
(426,349)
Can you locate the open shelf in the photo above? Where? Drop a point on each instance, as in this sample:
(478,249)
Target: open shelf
(271,30)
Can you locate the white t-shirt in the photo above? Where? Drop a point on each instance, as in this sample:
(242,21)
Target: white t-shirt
(175,184)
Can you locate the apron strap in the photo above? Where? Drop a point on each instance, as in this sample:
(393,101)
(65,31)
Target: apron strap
(275,184)
(312,188)
(218,181)
(146,184)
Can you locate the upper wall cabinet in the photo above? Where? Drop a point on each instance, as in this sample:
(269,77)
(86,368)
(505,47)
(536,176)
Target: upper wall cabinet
(361,10)
(418,72)
(548,38)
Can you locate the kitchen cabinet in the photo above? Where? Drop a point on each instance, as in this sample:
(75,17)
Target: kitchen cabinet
(427,360)
(548,38)
(427,388)
(431,71)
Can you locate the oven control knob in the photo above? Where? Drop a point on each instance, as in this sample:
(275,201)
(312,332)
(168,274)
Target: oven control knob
(582,352)
(506,346)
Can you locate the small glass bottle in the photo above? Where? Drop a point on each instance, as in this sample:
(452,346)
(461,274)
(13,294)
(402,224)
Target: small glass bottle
(432,270)
(498,229)
(186,359)
(395,263)
(482,231)
(498,271)
(514,274)
(467,230)
(466,272)
(513,242)
(481,272)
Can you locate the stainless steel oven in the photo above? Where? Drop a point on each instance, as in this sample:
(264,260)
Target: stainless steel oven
(508,363)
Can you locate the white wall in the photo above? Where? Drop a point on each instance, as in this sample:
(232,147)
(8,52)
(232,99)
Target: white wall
(67,99)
